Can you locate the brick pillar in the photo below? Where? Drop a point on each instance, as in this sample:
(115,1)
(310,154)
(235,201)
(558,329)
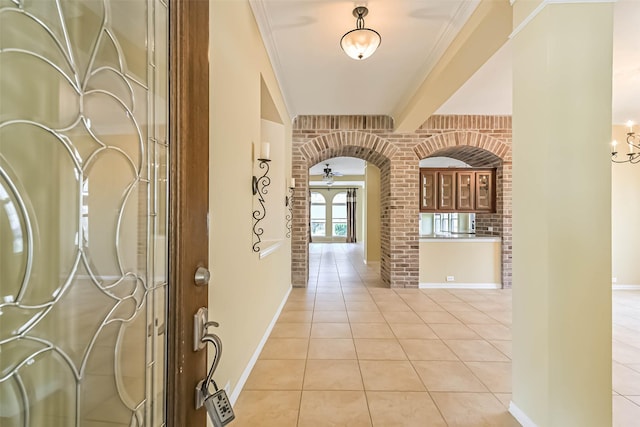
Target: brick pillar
(403,218)
(300,221)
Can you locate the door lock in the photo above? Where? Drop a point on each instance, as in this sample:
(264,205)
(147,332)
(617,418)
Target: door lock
(202,276)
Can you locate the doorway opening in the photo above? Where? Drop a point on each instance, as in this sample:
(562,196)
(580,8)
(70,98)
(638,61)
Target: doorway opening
(344,205)
(489,230)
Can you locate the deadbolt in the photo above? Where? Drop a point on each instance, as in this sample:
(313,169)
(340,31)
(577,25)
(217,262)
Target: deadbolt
(202,276)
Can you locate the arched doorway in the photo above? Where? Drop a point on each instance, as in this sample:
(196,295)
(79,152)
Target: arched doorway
(482,151)
(361,145)
(316,138)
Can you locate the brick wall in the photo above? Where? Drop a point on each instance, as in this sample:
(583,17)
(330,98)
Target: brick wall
(481,141)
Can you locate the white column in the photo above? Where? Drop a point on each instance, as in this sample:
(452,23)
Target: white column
(562,215)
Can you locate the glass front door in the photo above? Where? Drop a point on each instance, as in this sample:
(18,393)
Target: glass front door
(83,212)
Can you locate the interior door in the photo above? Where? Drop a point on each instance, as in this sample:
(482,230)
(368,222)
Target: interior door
(87,287)
(189,203)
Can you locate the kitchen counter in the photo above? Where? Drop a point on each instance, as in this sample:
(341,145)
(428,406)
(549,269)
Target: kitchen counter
(458,237)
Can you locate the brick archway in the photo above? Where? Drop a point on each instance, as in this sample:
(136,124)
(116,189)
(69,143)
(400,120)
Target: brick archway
(478,140)
(442,142)
(358,144)
(482,150)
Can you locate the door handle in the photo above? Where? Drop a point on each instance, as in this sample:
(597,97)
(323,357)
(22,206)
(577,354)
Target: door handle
(217,403)
(201,323)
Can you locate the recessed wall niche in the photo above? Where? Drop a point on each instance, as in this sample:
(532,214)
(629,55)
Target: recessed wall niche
(272,130)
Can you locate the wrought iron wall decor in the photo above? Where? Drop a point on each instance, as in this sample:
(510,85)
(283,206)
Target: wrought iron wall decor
(259,187)
(288,202)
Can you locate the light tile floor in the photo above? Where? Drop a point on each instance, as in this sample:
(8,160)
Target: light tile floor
(626,358)
(347,351)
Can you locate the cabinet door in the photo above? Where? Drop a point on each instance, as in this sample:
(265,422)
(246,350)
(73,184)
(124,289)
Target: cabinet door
(447,191)
(428,190)
(484,191)
(466,189)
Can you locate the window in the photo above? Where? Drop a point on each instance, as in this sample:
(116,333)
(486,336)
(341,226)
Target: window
(318,215)
(339,215)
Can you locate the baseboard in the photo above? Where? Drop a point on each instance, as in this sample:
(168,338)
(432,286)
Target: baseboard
(423,285)
(245,374)
(621,287)
(520,416)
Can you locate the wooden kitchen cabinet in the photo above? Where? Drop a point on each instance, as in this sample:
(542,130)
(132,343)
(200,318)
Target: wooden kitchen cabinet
(447,191)
(457,190)
(428,191)
(466,188)
(485,191)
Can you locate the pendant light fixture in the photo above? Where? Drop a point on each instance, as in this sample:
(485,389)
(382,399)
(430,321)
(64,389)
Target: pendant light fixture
(362,42)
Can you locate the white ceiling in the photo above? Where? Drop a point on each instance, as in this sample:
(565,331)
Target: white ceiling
(343,165)
(316,77)
(488,91)
(302,38)
(626,62)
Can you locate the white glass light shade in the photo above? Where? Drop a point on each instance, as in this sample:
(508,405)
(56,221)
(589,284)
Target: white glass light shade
(360,43)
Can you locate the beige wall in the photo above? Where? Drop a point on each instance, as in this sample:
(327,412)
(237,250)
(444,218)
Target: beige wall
(625,210)
(372,214)
(245,291)
(475,262)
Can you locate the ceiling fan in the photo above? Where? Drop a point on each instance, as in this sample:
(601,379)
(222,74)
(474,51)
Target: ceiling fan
(329,174)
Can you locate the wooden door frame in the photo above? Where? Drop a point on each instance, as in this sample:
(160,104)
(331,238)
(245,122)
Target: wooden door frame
(189,203)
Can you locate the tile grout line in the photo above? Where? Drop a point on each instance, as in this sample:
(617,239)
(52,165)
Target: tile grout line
(452,351)
(465,362)
(344,267)
(304,372)
(364,389)
(413,365)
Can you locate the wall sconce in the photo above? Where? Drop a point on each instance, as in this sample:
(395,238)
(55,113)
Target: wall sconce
(288,202)
(259,186)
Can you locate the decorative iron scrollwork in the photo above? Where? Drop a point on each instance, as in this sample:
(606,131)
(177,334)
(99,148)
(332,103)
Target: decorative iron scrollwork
(259,187)
(288,202)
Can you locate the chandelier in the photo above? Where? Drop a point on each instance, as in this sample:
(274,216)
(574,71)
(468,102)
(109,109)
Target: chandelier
(362,42)
(633,141)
